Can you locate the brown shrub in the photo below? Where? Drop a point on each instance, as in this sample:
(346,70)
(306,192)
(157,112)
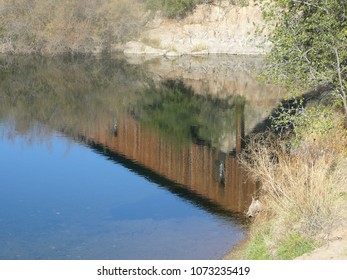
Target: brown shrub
(58,26)
(300,185)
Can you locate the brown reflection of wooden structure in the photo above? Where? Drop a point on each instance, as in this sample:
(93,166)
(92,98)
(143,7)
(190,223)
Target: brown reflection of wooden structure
(195,167)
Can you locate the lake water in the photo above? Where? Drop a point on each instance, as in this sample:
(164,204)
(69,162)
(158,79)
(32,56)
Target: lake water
(116,158)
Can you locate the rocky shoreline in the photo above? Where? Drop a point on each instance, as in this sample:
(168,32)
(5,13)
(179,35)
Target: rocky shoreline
(217,28)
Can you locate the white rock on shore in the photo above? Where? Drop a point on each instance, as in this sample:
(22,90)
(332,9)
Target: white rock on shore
(220,27)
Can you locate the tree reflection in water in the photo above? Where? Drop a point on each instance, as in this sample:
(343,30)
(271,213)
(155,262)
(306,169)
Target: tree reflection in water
(164,126)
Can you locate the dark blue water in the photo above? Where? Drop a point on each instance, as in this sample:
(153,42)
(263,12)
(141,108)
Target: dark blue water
(61,200)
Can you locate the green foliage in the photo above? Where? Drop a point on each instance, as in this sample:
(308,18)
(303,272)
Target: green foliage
(316,120)
(309,44)
(289,247)
(242,3)
(287,115)
(294,245)
(257,249)
(180,8)
(182,116)
(172,111)
(173,8)
(301,120)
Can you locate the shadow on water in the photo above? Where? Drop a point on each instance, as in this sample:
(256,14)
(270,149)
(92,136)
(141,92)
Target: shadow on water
(291,106)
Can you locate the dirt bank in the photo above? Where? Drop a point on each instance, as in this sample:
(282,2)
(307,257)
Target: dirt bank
(218,27)
(336,245)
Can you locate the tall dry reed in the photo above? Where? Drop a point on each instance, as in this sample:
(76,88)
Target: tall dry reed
(300,185)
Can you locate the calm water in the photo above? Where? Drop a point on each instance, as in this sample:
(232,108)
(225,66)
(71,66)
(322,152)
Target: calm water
(101,160)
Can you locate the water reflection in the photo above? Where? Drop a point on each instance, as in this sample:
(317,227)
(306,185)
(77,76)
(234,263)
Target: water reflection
(203,169)
(171,161)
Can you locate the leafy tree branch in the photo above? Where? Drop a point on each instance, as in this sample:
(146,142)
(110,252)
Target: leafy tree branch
(309,45)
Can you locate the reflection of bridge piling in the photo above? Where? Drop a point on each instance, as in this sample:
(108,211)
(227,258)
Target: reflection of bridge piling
(192,167)
(240,125)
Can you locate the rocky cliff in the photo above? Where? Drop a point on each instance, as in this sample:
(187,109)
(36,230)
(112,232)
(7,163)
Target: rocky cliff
(218,27)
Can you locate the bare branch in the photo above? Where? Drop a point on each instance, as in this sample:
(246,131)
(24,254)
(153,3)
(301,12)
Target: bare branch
(342,91)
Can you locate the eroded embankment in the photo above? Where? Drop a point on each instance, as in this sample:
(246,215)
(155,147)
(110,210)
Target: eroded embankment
(55,27)
(218,27)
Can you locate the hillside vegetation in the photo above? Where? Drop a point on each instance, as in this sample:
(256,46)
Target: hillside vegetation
(60,26)
(94,26)
(303,172)
(303,187)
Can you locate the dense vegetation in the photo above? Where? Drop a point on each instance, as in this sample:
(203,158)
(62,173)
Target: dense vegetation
(60,26)
(63,26)
(303,183)
(309,45)
(180,8)
(302,173)
(174,8)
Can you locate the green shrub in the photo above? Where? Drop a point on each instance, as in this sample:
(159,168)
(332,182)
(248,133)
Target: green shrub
(180,8)
(173,8)
(289,247)
(257,249)
(309,45)
(294,245)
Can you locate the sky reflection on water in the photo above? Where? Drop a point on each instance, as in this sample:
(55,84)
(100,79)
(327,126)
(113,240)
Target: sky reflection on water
(165,185)
(60,200)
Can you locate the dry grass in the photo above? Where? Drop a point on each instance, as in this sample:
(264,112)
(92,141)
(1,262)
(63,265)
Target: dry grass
(301,186)
(199,47)
(58,26)
(152,42)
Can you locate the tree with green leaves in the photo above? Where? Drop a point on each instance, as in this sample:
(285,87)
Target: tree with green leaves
(309,45)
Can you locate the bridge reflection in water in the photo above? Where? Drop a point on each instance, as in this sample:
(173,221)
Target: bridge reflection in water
(181,131)
(205,171)
(87,108)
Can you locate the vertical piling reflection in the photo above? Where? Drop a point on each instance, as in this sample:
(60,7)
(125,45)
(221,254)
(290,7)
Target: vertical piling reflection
(202,169)
(182,134)
(172,127)
(240,124)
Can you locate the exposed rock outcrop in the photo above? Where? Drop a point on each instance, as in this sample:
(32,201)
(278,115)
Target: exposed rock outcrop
(219,27)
